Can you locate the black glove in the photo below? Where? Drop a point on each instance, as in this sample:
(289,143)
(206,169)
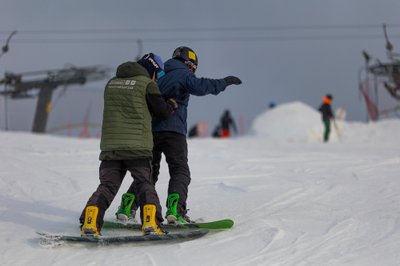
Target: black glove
(232,80)
(173,104)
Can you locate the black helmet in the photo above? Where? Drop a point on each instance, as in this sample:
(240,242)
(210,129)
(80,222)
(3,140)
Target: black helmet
(187,55)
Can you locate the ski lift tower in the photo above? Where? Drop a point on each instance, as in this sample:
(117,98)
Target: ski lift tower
(21,85)
(380,87)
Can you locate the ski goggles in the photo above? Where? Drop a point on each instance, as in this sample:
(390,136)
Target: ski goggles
(192,66)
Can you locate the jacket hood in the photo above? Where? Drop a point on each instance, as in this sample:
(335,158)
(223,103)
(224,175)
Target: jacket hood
(173,64)
(131,69)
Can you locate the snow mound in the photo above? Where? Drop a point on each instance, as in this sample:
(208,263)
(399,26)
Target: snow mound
(298,122)
(293,122)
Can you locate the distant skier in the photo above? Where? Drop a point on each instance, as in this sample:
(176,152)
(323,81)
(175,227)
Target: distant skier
(227,123)
(327,115)
(193,132)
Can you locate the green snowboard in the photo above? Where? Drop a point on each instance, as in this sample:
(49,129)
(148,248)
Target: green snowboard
(219,224)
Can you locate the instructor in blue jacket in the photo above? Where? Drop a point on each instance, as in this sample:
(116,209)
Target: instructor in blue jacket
(169,135)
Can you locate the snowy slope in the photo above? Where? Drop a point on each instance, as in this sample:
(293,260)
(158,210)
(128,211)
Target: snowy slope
(295,201)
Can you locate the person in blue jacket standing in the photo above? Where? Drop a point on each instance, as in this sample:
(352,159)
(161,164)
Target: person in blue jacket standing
(169,135)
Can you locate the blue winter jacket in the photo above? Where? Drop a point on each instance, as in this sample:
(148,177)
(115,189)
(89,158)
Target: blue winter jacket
(179,83)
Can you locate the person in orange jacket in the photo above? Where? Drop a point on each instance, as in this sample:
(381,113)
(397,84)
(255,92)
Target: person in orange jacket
(227,123)
(327,115)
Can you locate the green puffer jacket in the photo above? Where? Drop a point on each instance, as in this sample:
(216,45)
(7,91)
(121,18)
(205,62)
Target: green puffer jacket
(126,128)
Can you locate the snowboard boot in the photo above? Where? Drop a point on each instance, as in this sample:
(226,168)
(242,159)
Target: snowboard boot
(125,211)
(175,214)
(89,227)
(150,225)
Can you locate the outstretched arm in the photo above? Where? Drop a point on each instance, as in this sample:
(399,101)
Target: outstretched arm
(205,86)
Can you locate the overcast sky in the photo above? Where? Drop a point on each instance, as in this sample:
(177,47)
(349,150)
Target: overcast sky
(283,50)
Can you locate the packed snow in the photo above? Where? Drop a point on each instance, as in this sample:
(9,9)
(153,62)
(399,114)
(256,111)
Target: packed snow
(294,199)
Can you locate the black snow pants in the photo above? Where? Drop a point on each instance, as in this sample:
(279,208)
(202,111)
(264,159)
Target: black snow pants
(174,147)
(112,174)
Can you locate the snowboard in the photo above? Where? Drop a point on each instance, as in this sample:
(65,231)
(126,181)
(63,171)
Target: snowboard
(49,239)
(218,224)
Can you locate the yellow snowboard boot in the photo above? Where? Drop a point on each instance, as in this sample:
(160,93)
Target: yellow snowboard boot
(89,227)
(150,226)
